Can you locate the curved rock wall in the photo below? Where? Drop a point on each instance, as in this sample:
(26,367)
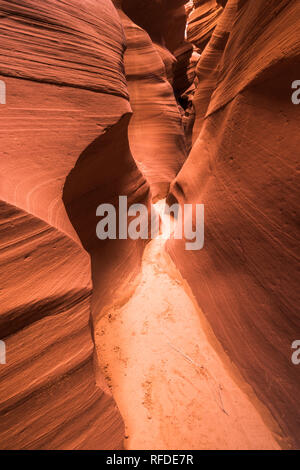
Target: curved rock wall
(67,101)
(67,135)
(202,21)
(207,69)
(156,133)
(165,22)
(243,168)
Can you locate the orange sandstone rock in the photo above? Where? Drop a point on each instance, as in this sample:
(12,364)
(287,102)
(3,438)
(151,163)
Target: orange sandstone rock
(243,168)
(67,109)
(156,133)
(202,21)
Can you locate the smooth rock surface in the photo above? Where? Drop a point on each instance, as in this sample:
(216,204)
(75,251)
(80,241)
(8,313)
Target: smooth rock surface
(243,168)
(66,100)
(156,133)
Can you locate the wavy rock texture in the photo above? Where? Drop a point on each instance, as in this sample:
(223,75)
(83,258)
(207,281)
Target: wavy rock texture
(202,22)
(207,69)
(67,108)
(184,70)
(165,22)
(156,132)
(67,135)
(242,167)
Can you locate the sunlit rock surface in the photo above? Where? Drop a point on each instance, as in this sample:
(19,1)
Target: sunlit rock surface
(165,22)
(66,92)
(156,132)
(102,101)
(242,167)
(202,21)
(207,69)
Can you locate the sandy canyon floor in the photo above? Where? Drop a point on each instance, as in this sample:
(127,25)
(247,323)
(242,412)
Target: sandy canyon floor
(166,372)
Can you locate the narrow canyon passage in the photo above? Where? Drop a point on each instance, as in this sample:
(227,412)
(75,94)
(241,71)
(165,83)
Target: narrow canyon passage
(171,386)
(110,341)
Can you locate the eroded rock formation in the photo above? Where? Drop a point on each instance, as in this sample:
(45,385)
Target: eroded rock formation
(87,120)
(156,131)
(67,106)
(165,22)
(243,168)
(202,21)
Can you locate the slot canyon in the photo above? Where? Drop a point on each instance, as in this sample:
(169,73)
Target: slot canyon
(130,343)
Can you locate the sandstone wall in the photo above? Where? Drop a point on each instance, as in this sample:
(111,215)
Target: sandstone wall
(243,168)
(67,103)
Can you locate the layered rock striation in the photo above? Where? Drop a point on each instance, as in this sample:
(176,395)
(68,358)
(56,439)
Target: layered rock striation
(243,168)
(66,117)
(100,103)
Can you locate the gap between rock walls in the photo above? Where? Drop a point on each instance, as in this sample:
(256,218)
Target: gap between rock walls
(160,102)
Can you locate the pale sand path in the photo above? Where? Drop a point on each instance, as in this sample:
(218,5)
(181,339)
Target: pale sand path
(171,386)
